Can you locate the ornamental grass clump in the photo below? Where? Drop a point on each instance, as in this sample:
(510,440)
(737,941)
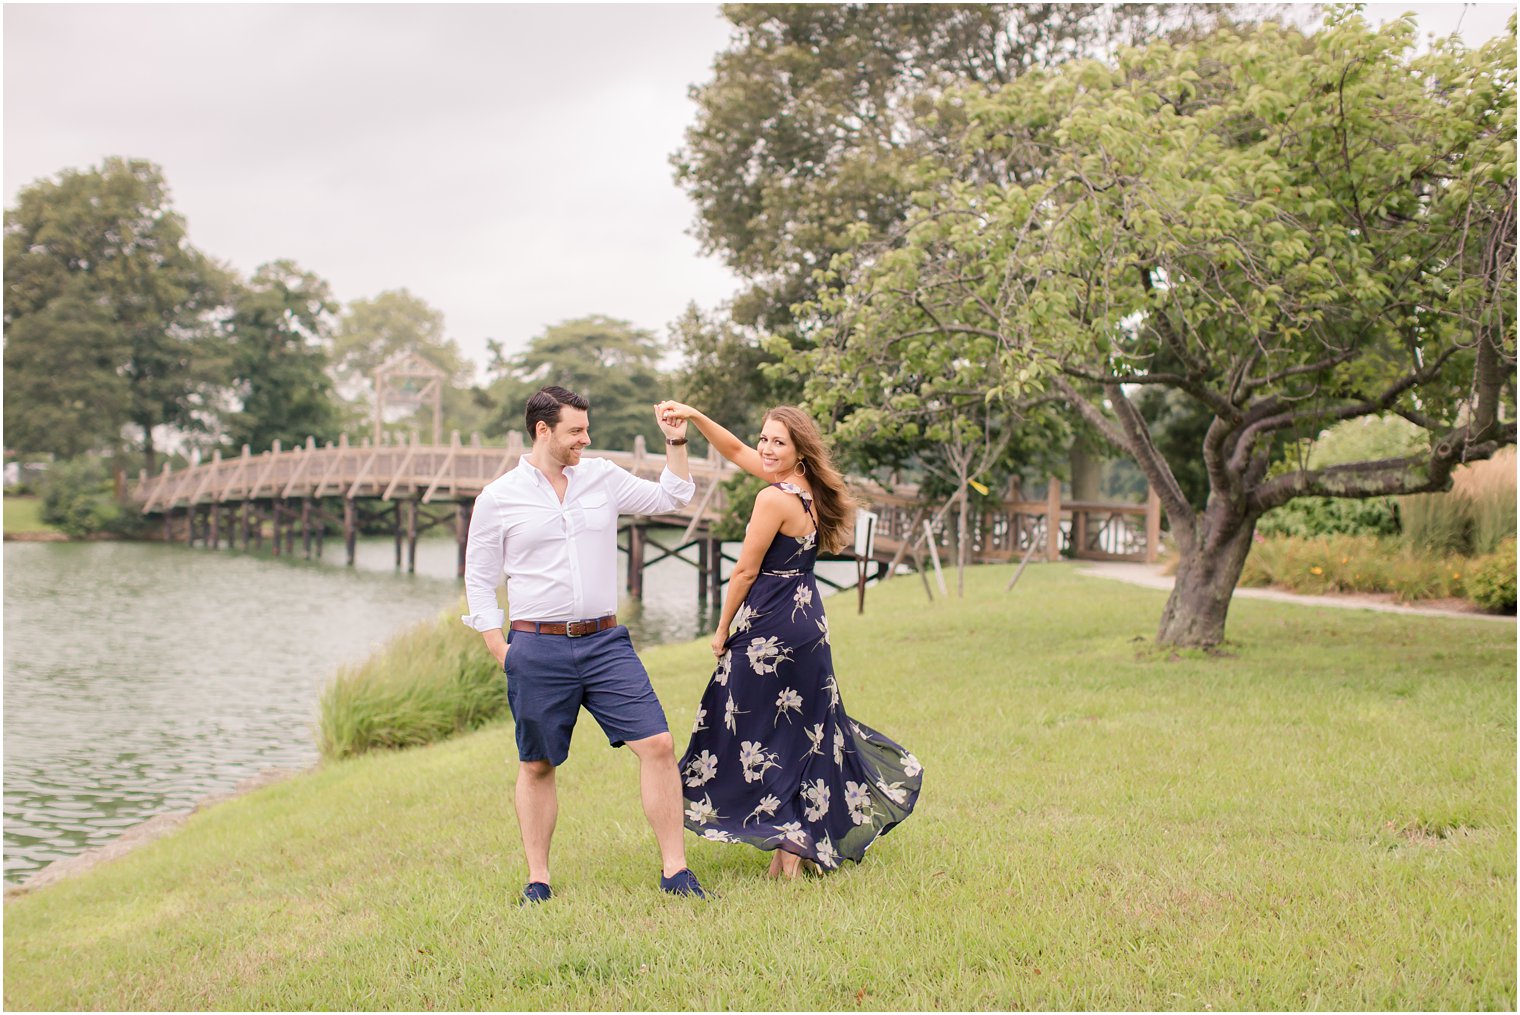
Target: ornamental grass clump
(1474,517)
(1488,487)
(428,684)
(1365,564)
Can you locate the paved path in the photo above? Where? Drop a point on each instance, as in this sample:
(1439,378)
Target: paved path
(1150,576)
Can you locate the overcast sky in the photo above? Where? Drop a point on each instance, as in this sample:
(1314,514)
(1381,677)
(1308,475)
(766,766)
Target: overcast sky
(508,164)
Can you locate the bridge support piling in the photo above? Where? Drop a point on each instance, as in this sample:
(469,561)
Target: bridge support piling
(462,511)
(275,517)
(396,520)
(350,529)
(636,560)
(290,529)
(306,526)
(411,537)
(214,533)
(715,571)
(703,558)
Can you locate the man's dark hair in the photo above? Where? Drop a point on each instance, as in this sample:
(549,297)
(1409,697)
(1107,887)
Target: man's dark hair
(545,404)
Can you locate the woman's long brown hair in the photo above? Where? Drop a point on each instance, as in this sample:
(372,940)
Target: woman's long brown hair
(831,497)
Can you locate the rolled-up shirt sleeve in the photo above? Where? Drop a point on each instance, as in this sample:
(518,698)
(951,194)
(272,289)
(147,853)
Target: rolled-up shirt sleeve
(637,496)
(483,566)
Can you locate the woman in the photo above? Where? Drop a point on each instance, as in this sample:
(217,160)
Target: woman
(774,761)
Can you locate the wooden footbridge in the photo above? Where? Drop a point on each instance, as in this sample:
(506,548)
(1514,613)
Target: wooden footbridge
(283,496)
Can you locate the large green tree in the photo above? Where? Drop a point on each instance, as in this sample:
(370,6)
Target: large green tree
(807,137)
(1286,231)
(280,333)
(104,292)
(611,362)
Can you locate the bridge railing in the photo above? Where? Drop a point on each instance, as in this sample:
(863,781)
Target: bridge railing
(997,530)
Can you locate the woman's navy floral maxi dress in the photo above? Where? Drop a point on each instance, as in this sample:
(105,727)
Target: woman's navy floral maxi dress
(774,761)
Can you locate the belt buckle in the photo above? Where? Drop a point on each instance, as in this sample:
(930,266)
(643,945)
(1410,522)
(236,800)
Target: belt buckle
(571,632)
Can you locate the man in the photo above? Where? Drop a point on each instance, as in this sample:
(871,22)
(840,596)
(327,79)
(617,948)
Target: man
(550,527)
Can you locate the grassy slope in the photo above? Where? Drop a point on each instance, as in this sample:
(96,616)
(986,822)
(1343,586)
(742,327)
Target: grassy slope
(1325,819)
(24,514)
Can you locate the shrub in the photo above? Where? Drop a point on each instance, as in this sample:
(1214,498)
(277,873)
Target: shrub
(1365,439)
(1324,516)
(1491,582)
(77,497)
(430,683)
(1353,564)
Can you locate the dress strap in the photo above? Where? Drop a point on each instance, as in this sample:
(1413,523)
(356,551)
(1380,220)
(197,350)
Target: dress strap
(807,500)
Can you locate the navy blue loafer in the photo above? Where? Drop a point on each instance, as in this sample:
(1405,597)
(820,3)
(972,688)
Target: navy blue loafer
(682,882)
(535,893)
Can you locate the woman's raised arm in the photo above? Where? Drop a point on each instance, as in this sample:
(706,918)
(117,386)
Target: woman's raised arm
(729,446)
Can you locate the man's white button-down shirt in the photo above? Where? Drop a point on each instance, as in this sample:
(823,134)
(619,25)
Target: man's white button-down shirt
(559,558)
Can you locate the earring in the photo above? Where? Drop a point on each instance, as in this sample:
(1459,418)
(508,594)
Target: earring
(801,468)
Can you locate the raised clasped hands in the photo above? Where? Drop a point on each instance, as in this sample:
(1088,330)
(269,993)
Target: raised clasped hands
(671,421)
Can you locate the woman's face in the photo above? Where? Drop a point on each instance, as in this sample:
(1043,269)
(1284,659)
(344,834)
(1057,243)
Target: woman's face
(777,455)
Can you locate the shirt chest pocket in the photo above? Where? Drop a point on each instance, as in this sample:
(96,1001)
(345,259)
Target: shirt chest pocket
(594,514)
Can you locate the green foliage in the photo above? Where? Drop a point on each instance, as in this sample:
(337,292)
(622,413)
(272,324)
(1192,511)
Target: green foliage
(1491,582)
(78,497)
(1365,439)
(1326,516)
(109,313)
(739,493)
(1187,219)
(430,683)
(1354,563)
(610,362)
(281,327)
(724,371)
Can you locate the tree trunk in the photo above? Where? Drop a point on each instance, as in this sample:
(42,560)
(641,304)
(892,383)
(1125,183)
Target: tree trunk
(965,543)
(1195,613)
(1086,471)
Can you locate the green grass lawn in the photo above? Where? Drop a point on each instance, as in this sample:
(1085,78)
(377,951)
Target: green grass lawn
(24,514)
(1322,818)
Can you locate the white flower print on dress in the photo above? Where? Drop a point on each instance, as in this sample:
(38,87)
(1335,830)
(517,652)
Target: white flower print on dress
(827,857)
(729,711)
(816,736)
(787,701)
(911,767)
(792,830)
(823,629)
(717,835)
(802,598)
(756,760)
(839,746)
(857,797)
(894,791)
(765,654)
(699,725)
(702,811)
(766,808)
(725,667)
(816,793)
(701,769)
(744,618)
(832,686)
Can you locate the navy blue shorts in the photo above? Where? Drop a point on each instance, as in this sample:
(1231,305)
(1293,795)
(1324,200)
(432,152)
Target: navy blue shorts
(550,676)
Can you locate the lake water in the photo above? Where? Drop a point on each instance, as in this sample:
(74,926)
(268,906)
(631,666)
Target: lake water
(141,677)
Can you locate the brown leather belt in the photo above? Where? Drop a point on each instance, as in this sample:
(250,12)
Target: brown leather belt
(571,629)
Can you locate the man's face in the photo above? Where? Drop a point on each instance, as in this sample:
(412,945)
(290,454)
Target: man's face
(570,434)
